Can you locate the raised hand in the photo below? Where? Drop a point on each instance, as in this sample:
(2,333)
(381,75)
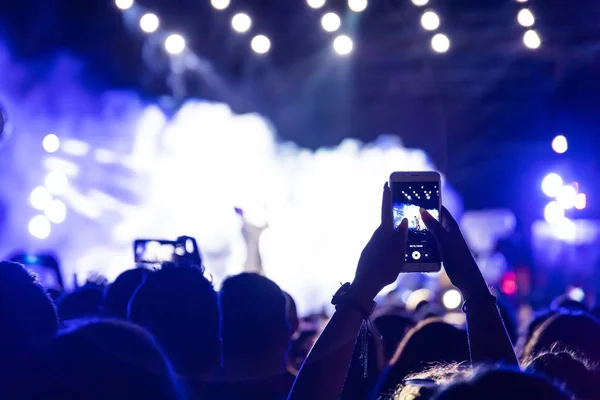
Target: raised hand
(456,256)
(382,259)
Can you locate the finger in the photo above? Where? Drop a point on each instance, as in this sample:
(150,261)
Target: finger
(448,221)
(431,223)
(387,216)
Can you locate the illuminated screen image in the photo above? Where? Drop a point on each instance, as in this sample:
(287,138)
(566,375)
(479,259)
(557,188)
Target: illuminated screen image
(407,199)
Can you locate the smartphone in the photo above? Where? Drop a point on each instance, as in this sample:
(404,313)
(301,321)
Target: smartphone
(184,250)
(410,192)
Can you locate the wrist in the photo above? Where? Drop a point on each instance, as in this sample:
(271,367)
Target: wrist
(351,296)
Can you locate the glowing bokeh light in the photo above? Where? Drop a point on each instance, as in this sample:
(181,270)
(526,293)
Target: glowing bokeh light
(260,44)
(51,143)
(430,20)
(40,197)
(532,40)
(577,294)
(174,44)
(581,201)
(343,45)
(241,22)
(315,3)
(331,22)
(220,4)
(554,212)
(420,3)
(551,184)
(149,23)
(358,5)
(440,43)
(451,299)
(509,284)
(526,18)
(40,227)
(56,211)
(124,4)
(566,197)
(560,144)
(56,182)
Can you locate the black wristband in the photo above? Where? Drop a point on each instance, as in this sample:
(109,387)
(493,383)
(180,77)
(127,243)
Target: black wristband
(344,299)
(478,300)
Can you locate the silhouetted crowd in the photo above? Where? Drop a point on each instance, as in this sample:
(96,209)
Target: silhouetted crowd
(166,333)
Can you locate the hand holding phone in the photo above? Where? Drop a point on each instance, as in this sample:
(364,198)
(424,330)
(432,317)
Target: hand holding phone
(183,251)
(412,191)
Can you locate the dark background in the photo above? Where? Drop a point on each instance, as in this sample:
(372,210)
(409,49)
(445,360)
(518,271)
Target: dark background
(486,111)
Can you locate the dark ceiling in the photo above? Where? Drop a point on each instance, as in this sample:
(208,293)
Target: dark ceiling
(486,111)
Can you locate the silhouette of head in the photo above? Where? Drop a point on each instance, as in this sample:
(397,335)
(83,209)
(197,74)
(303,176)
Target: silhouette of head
(119,293)
(27,315)
(426,384)
(392,328)
(579,377)
(84,302)
(254,321)
(429,342)
(500,384)
(179,306)
(574,331)
(98,360)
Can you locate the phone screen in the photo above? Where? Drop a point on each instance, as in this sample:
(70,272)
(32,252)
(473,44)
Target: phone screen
(157,251)
(407,199)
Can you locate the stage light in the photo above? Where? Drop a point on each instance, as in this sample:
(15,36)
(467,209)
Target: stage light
(358,5)
(331,22)
(315,3)
(581,201)
(241,23)
(531,39)
(40,197)
(440,43)
(526,18)
(521,1)
(430,20)
(51,143)
(149,23)
(56,212)
(260,44)
(566,197)
(220,4)
(554,212)
(174,44)
(124,4)
(343,45)
(509,284)
(560,144)
(40,227)
(56,182)
(577,294)
(451,299)
(420,3)
(552,184)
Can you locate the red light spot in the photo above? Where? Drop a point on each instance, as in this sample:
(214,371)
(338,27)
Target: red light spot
(509,283)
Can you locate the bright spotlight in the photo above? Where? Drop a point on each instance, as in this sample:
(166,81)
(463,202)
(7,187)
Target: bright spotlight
(420,3)
(531,39)
(241,23)
(560,144)
(56,212)
(260,44)
(358,5)
(56,182)
(331,22)
(526,18)
(567,197)
(581,201)
(220,4)
(552,184)
(440,43)
(315,3)
(174,44)
(343,45)
(430,20)
(554,212)
(149,23)
(521,1)
(40,197)
(451,299)
(124,4)
(577,294)
(40,227)
(51,143)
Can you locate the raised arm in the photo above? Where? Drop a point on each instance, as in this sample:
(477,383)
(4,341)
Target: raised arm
(323,373)
(488,340)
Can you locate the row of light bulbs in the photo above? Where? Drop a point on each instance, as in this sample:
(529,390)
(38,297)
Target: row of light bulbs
(525,18)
